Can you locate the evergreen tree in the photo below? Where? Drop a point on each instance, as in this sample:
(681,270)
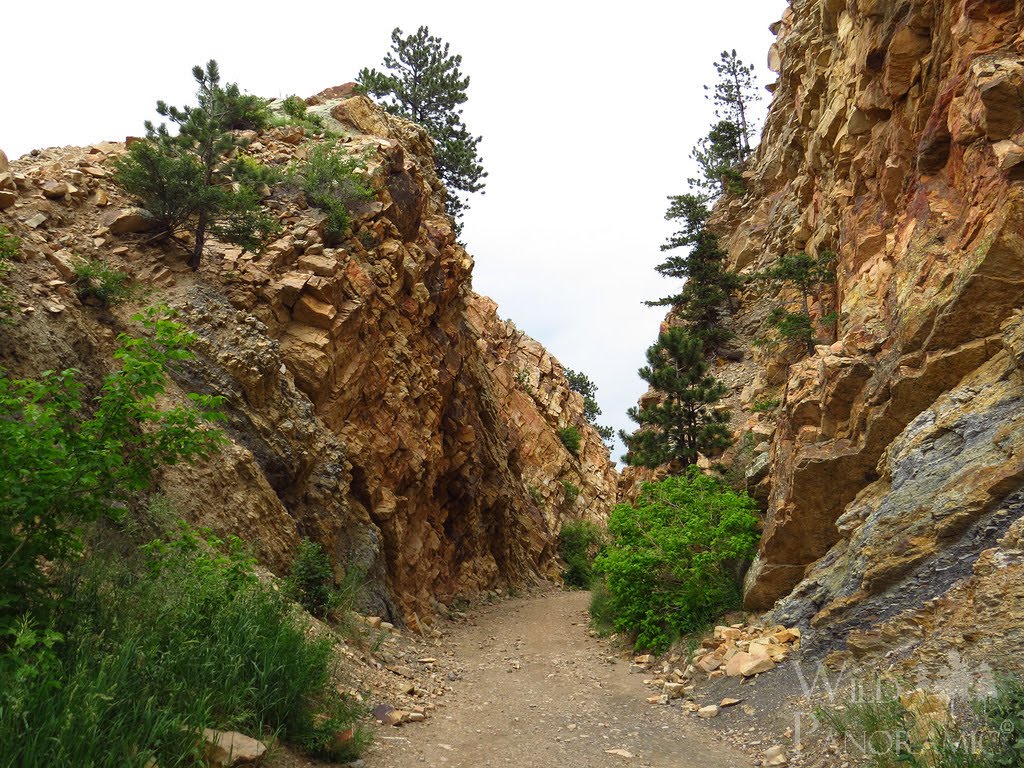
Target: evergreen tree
(580,382)
(184,181)
(733,95)
(709,284)
(718,157)
(683,421)
(425,84)
(809,275)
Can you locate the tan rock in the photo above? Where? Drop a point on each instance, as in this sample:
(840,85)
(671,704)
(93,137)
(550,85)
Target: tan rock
(1008,154)
(127,221)
(55,190)
(225,749)
(8,197)
(708,712)
(775,756)
(314,312)
(4,164)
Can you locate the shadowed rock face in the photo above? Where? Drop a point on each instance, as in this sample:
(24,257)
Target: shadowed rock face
(896,139)
(374,402)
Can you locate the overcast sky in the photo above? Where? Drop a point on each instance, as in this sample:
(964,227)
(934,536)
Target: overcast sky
(588,113)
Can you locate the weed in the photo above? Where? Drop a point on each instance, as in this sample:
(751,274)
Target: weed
(571,439)
(578,543)
(96,283)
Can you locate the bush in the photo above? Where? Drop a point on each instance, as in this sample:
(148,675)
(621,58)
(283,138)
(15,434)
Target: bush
(9,247)
(65,464)
(577,544)
(243,111)
(672,562)
(254,174)
(311,581)
(602,611)
(571,438)
(329,181)
(144,655)
(96,283)
(294,106)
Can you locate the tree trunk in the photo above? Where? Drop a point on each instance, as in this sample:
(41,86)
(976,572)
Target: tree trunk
(197,251)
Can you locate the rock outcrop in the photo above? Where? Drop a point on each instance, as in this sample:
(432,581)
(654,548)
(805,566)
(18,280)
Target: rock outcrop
(374,402)
(893,461)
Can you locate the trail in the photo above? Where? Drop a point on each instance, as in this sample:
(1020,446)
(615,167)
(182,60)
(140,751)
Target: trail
(538,692)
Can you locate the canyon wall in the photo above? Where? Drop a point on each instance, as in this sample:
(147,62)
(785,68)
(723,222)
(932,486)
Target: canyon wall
(894,462)
(375,403)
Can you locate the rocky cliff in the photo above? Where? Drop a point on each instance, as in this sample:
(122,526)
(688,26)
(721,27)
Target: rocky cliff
(374,402)
(894,462)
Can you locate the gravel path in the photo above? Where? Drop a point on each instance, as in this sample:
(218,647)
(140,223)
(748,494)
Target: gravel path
(538,692)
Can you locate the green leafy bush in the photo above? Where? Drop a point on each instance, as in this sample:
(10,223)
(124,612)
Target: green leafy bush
(145,654)
(66,462)
(329,181)
(671,563)
(294,106)
(254,174)
(243,111)
(766,406)
(311,581)
(571,439)
(578,542)
(95,282)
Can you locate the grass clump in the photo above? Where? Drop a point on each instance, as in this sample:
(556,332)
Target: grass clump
(96,283)
(671,565)
(578,543)
(905,730)
(329,181)
(571,439)
(144,654)
(572,492)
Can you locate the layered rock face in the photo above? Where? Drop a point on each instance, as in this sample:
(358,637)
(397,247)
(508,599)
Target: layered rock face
(375,403)
(896,140)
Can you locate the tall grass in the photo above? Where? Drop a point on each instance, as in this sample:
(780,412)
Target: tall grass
(153,652)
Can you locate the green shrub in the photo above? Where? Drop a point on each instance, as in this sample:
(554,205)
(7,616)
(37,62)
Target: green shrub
(145,654)
(571,438)
(572,492)
(671,563)
(766,406)
(577,544)
(329,181)
(254,174)
(294,106)
(65,463)
(243,111)
(96,282)
(311,581)
(9,247)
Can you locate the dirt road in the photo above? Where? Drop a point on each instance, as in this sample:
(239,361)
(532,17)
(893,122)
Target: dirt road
(537,691)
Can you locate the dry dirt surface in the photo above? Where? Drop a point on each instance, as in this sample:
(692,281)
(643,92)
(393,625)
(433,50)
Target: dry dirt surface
(536,691)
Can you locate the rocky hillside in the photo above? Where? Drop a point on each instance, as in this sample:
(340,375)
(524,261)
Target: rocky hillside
(893,467)
(374,402)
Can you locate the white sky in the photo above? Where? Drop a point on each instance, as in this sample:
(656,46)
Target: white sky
(588,112)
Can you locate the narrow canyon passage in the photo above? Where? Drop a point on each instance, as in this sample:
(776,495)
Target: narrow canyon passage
(538,692)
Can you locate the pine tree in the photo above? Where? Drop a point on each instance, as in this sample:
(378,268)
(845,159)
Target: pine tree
(733,95)
(683,422)
(718,157)
(809,275)
(425,84)
(184,181)
(704,295)
(580,382)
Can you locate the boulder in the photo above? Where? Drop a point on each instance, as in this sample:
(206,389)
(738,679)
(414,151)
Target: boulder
(228,748)
(55,190)
(314,312)
(4,164)
(7,198)
(125,221)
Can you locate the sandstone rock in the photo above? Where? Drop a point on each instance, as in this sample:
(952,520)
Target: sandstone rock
(1008,154)
(224,749)
(775,756)
(1000,88)
(619,753)
(6,180)
(127,221)
(319,265)
(55,190)
(8,197)
(4,164)
(905,51)
(708,712)
(314,312)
